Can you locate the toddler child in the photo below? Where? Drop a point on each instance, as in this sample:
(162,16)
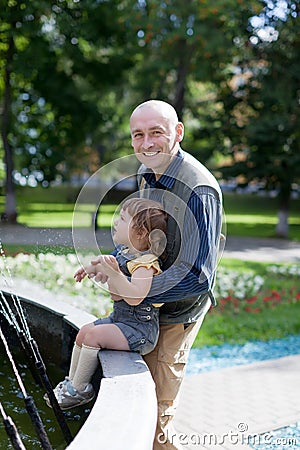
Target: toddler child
(140,235)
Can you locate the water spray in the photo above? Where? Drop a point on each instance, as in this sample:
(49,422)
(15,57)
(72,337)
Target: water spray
(16,318)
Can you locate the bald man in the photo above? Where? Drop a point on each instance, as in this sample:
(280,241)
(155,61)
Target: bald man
(192,197)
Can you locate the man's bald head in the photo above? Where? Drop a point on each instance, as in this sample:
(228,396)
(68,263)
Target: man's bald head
(155,134)
(164,109)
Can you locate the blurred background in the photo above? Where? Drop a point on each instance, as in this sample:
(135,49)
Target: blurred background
(72,71)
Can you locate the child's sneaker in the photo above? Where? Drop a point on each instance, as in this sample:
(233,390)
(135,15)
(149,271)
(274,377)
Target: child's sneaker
(61,385)
(68,397)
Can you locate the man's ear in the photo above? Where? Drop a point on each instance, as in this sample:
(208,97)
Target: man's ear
(179,132)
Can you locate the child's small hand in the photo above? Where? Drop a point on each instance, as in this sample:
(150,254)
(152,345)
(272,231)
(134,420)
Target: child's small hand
(109,266)
(99,276)
(80,274)
(90,270)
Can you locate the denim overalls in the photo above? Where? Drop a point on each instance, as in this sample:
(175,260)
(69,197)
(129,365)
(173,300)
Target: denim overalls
(139,324)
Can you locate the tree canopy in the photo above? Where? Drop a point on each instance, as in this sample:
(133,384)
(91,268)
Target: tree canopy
(72,70)
(261,113)
(57,60)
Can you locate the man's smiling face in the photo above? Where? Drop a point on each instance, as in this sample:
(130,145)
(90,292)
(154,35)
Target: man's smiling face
(155,136)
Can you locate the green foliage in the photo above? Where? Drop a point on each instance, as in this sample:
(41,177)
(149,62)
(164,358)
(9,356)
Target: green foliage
(261,104)
(77,68)
(66,56)
(181,43)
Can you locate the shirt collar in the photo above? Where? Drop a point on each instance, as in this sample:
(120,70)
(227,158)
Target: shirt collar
(168,178)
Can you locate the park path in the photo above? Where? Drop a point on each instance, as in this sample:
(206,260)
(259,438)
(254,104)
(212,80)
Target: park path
(229,408)
(245,248)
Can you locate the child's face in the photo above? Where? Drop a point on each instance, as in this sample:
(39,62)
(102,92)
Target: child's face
(123,229)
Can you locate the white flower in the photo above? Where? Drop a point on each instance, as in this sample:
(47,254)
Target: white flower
(55,273)
(285,270)
(241,285)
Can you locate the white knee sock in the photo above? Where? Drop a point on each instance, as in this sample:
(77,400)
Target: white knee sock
(87,364)
(74,360)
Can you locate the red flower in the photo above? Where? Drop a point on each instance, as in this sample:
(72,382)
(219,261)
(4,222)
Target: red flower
(223,301)
(276,295)
(252,299)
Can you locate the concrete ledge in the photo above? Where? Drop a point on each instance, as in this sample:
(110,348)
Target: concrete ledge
(125,412)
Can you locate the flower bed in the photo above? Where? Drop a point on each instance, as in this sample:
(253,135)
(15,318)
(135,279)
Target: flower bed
(55,273)
(238,291)
(235,290)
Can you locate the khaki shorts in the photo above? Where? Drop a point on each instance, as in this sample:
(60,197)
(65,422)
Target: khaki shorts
(167,363)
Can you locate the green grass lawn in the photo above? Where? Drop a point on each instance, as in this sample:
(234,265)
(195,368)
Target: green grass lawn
(245,215)
(52,215)
(250,215)
(222,327)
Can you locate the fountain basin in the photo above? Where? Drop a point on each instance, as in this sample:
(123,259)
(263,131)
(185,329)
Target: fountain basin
(124,413)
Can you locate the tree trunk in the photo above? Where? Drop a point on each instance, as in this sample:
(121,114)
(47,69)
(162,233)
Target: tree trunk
(10,214)
(180,90)
(282,227)
(182,72)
